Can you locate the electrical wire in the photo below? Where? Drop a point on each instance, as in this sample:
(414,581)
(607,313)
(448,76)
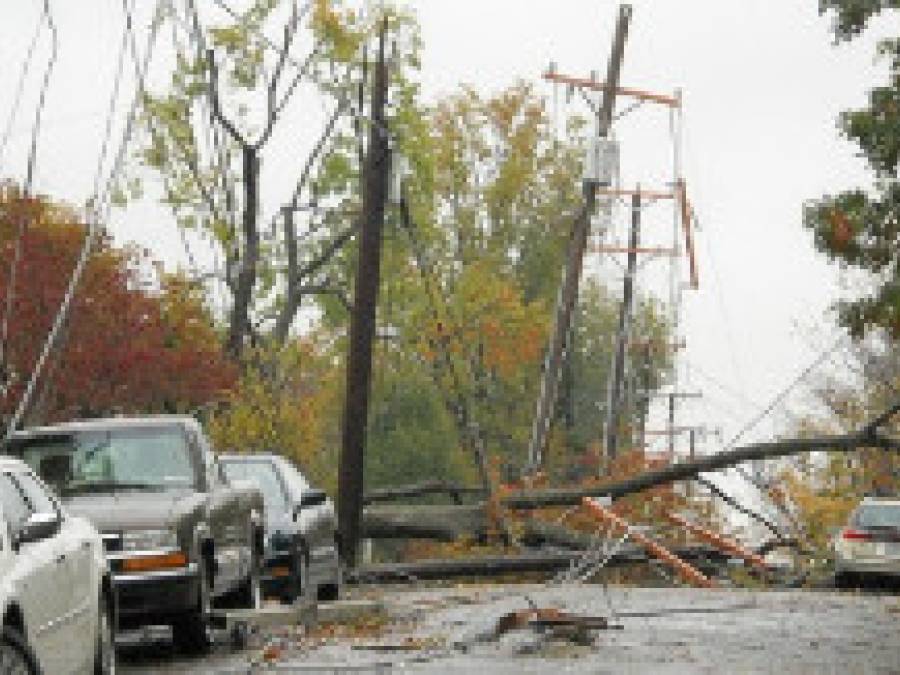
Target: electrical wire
(20,88)
(42,97)
(99,210)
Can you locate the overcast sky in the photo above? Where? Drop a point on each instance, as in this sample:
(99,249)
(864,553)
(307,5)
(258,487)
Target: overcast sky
(763,85)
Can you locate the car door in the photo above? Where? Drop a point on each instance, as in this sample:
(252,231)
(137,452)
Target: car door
(74,559)
(41,590)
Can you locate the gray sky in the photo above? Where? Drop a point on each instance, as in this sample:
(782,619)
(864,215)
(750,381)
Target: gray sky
(762,83)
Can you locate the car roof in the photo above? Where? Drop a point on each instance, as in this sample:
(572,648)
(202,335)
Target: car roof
(108,424)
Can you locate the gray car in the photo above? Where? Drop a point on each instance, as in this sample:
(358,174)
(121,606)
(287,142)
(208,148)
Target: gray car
(301,552)
(177,535)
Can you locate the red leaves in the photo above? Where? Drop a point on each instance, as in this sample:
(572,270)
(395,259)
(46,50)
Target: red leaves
(124,348)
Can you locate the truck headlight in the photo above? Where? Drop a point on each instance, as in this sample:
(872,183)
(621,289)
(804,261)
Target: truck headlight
(148,540)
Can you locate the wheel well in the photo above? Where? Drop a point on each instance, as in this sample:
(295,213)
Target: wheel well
(13,617)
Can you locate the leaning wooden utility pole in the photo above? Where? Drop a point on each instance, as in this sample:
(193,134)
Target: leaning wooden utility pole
(618,366)
(362,318)
(568,295)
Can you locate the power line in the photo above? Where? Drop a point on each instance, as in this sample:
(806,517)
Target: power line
(42,97)
(98,209)
(20,87)
(781,395)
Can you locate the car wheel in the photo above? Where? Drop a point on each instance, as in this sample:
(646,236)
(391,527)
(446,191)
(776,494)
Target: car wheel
(105,652)
(249,593)
(843,581)
(293,585)
(332,592)
(16,657)
(190,632)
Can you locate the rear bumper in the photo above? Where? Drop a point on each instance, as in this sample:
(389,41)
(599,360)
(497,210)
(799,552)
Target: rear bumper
(868,566)
(155,597)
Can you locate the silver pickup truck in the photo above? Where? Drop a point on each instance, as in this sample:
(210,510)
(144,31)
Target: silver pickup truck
(177,535)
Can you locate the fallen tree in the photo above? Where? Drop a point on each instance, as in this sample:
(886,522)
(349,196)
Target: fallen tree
(426,488)
(536,499)
(496,565)
(448,522)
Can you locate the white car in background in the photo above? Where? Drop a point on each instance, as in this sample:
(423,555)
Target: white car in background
(54,598)
(869,546)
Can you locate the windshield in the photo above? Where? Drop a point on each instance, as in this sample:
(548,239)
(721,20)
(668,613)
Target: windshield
(153,458)
(264,475)
(878,515)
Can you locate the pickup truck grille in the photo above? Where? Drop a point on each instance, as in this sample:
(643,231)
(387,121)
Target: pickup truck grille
(112,541)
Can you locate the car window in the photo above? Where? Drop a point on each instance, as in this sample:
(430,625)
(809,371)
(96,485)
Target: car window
(94,461)
(263,474)
(36,494)
(15,507)
(878,515)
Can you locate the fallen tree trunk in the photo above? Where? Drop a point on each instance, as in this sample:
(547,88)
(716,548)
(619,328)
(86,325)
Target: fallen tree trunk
(487,566)
(432,487)
(536,499)
(425,521)
(448,522)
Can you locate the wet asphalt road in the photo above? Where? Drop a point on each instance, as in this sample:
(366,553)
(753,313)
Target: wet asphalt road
(665,630)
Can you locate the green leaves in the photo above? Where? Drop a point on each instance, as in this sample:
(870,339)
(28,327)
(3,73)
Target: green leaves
(852,16)
(860,227)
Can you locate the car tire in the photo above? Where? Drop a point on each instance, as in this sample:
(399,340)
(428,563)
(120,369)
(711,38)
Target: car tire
(16,657)
(190,631)
(332,592)
(294,585)
(105,651)
(249,594)
(845,580)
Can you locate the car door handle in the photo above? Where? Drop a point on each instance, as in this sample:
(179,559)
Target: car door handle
(61,558)
(85,544)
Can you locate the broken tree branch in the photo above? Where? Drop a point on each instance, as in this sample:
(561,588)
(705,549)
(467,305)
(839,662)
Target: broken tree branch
(535,499)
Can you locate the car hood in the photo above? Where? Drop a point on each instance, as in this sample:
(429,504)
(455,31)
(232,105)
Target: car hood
(135,510)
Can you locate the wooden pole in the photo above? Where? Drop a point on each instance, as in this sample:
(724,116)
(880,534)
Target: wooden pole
(568,294)
(362,318)
(618,364)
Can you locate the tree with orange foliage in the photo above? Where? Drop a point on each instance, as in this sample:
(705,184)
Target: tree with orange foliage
(131,343)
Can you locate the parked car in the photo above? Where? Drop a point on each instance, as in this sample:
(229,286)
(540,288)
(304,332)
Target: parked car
(301,554)
(178,537)
(869,546)
(54,583)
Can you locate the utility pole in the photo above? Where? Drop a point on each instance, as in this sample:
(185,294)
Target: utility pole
(618,364)
(568,294)
(362,318)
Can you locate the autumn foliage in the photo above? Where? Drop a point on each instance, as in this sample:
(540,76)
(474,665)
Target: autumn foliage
(134,342)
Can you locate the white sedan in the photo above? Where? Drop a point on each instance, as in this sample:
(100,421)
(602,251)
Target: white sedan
(57,616)
(869,546)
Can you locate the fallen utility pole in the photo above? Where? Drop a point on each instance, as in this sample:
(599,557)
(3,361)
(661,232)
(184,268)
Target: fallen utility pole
(618,366)
(724,543)
(362,317)
(568,294)
(686,571)
(488,566)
